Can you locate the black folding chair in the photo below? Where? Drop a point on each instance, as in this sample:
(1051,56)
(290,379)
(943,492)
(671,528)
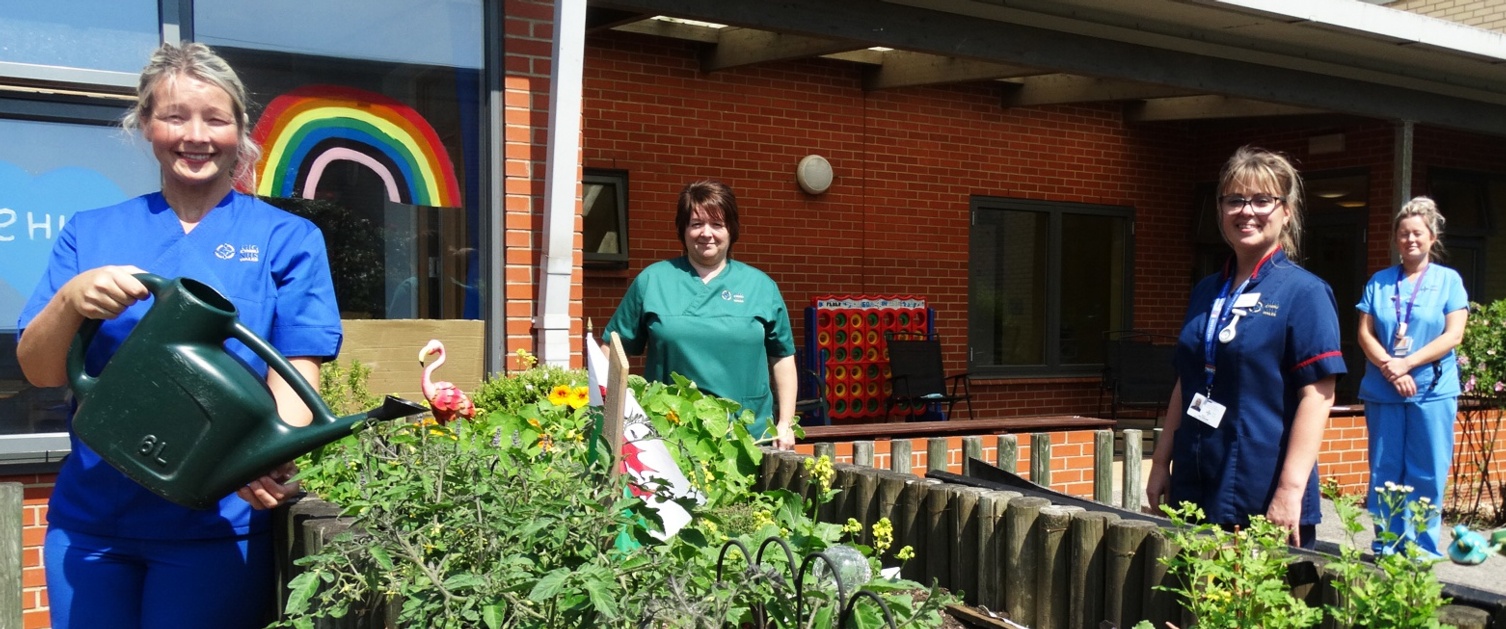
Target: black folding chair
(1137,373)
(917,380)
(810,400)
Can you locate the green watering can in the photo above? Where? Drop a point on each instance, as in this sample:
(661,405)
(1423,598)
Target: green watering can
(176,412)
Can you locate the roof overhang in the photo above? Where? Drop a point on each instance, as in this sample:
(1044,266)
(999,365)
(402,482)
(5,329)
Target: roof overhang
(1235,58)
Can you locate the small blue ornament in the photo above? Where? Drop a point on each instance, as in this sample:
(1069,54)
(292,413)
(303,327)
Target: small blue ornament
(1471,548)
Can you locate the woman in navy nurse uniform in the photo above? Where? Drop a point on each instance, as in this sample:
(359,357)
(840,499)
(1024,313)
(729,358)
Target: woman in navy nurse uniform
(1256,364)
(117,555)
(1412,316)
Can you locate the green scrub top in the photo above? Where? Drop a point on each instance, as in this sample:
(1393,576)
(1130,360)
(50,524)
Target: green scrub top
(720,334)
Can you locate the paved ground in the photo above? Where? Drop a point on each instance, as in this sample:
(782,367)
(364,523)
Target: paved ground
(1489,576)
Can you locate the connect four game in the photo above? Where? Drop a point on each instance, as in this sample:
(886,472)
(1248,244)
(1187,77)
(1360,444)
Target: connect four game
(844,347)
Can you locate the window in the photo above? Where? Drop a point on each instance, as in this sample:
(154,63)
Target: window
(1045,282)
(64,40)
(48,171)
(604,218)
(383,157)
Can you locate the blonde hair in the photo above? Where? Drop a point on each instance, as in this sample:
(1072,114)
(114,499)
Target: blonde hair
(1427,210)
(1258,169)
(197,61)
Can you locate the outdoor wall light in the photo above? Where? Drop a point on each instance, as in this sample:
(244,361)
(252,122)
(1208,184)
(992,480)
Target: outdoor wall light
(813,173)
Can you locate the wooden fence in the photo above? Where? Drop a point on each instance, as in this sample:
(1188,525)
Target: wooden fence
(10,555)
(1041,565)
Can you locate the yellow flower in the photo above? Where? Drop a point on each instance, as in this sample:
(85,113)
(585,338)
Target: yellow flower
(883,535)
(905,554)
(560,395)
(579,397)
(534,421)
(673,417)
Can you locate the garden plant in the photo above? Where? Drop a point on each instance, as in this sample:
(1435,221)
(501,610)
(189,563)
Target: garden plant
(1475,496)
(512,520)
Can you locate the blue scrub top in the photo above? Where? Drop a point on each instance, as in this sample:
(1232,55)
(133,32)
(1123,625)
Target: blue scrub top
(1441,293)
(719,334)
(1289,340)
(271,264)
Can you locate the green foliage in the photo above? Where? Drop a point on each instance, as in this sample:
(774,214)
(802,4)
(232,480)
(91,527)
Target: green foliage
(505,521)
(510,393)
(1482,353)
(1400,590)
(1234,578)
(344,388)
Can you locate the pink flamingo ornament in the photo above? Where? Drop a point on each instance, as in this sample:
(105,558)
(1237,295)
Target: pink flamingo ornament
(445,399)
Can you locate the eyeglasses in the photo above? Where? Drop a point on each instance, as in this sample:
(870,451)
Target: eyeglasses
(1261,204)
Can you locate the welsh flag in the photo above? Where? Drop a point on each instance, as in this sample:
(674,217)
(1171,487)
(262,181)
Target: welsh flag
(652,473)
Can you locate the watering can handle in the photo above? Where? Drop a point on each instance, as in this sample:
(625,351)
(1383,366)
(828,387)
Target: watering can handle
(279,364)
(82,382)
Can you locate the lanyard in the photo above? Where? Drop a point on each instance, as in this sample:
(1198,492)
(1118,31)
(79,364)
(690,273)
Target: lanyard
(1401,274)
(1217,315)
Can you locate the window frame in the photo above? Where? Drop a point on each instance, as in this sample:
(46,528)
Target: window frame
(1055,211)
(617,179)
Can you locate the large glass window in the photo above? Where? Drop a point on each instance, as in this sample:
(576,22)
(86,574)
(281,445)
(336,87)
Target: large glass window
(110,35)
(1045,282)
(426,32)
(385,158)
(48,171)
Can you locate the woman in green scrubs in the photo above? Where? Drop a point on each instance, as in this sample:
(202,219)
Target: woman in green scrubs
(714,320)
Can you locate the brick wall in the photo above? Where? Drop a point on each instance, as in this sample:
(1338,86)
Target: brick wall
(1486,14)
(906,163)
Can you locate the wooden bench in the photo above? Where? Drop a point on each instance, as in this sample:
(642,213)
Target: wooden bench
(907,430)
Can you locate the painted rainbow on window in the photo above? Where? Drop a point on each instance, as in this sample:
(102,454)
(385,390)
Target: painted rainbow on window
(303,131)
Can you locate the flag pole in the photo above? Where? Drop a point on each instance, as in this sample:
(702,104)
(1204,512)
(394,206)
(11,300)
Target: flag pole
(617,391)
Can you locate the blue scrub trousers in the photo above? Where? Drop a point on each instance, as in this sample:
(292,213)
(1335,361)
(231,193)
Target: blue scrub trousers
(1411,443)
(95,581)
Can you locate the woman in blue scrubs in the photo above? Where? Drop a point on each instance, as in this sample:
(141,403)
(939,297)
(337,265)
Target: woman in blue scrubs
(714,320)
(1412,317)
(1256,363)
(116,554)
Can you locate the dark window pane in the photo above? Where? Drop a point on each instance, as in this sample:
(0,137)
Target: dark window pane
(1008,287)
(1093,254)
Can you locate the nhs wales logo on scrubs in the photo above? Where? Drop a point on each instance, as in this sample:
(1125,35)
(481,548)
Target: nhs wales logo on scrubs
(735,298)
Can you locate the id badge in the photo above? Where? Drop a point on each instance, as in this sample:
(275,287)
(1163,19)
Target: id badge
(1205,410)
(1403,347)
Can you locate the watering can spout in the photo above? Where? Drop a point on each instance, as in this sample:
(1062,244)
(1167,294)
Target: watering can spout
(180,415)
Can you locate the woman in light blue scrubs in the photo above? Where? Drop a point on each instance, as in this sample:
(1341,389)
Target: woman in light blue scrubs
(714,320)
(116,554)
(1412,316)
(1256,363)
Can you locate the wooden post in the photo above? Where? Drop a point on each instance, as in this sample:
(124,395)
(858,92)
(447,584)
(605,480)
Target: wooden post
(615,404)
(886,503)
(1161,607)
(964,539)
(936,454)
(972,448)
(1040,459)
(911,518)
(901,455)
(826,449)
(991,568)
(11,512)
(1124,581)
(843,481)
(862,453)
(1088,557)
(1463,617)
(938,534)
(1054,573)
(1133,491)
(862,505)
(1009,453)
(1103,466)
(1022,557)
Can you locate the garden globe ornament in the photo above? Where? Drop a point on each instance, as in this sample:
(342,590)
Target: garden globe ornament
(1470,548)
(445,399)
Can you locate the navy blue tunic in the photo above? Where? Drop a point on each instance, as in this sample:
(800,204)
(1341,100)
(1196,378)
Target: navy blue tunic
(1289,340)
